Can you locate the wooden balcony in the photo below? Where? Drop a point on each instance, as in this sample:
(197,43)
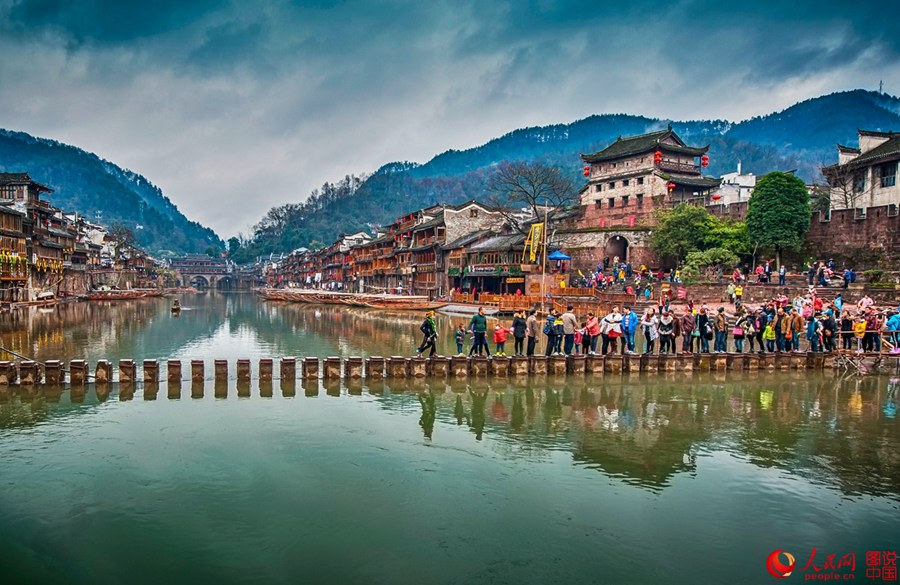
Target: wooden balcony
(676,167)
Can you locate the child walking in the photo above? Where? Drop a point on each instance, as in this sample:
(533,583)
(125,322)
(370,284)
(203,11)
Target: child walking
(460,339)
(500,333)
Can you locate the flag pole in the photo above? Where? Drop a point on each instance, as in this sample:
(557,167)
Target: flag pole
(544,256)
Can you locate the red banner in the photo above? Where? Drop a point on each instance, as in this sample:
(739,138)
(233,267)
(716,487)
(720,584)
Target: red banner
(681,292)
(603,222)
(631,221)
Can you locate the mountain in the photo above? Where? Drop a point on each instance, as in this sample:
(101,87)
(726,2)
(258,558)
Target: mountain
(104,192)
(800,138)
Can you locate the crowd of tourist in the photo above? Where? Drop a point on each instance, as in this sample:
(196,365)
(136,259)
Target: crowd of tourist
(805,323)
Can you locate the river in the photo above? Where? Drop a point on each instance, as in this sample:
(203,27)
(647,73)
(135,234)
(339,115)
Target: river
(627,480)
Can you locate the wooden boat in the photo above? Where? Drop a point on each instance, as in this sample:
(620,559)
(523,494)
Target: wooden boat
(176,307)
(119,295)
(374,301)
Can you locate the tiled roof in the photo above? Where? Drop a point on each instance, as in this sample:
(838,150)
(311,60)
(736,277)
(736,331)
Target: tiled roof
(692,181)
(889,148)
(20,179)
(506,242)
(465,240)
(436,221)
(633,145)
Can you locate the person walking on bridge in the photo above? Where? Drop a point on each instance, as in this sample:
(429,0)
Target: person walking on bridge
(429,331)
(478,327)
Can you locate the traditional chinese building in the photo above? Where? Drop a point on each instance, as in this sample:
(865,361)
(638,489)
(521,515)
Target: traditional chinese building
(627,182)
(866,176)
(13,255)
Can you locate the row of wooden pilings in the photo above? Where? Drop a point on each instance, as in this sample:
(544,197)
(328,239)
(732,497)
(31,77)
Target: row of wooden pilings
(53,372)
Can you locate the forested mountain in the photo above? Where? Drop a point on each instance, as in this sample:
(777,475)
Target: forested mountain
(800,138)
(103,192)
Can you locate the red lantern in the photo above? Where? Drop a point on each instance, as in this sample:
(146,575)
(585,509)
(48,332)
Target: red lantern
(670,187)
(587,171)
(716,197)
(704,160)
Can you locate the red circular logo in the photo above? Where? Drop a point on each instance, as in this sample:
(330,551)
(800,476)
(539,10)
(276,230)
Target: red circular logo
(776,567)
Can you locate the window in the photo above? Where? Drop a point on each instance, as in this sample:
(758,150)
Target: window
(598,187)
(888,174)
(859,182)
(640,181)
(598,204)
(625,183)
(612,202)
(624,200)
(640,199)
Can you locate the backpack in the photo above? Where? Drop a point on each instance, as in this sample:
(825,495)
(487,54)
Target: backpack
(548,328)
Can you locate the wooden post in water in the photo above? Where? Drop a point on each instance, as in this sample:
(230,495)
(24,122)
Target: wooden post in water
(151,372)
(53,372)
(309,369)
(7,373)
(518,367)
(332,368)
(353,368)
(594,364)
(103,372)
(243,370)
(500,366)
(558,365)
(127,371)
(375,369)
(575,364)
(288,369)
(29,373)
(417,367)
(265,370)
(459,366)
(440,367)
(173,372)
(538,365)
(478,366)
(221,370)
(197,371)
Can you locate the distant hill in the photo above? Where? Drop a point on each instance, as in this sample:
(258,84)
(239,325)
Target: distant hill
(87,184)
(800,138)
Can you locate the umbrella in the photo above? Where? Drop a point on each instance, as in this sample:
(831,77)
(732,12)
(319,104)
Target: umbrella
(558,256)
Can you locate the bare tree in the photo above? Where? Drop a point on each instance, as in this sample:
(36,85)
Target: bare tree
(846,186)
(521,191)
(122,237)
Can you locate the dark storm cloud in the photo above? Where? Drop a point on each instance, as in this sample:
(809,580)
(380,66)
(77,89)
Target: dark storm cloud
(218,101)
(108,21)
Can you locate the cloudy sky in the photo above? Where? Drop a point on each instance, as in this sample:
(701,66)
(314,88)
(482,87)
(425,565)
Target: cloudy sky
(232,107)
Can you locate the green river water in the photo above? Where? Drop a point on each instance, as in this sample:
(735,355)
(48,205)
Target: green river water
(610,480)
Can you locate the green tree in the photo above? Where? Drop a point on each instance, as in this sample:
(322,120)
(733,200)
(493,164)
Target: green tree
(234,245)
(681,230)
(731,235)
(778,213)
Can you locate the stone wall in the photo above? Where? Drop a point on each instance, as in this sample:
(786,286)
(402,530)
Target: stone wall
(857,240)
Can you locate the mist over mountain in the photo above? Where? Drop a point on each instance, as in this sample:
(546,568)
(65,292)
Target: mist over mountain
(104,193)
(800,138)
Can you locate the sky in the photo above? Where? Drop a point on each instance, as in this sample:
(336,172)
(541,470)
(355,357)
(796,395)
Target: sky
(233,107)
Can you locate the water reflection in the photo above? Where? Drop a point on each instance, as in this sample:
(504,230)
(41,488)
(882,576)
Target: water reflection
(841,433)
(212,325)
